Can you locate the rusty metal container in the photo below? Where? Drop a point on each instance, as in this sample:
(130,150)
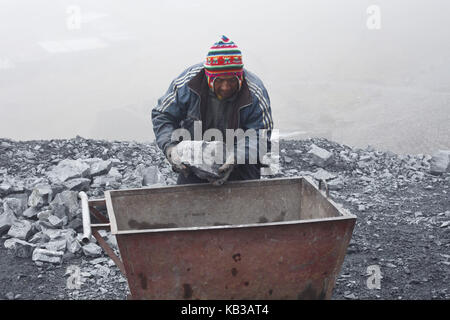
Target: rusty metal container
(257,239)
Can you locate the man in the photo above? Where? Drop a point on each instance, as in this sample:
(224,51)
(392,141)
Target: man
(222,95)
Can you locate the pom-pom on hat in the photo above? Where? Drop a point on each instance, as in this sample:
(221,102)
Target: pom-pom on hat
(224,58)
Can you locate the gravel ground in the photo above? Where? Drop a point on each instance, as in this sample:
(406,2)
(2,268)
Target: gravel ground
(402,228)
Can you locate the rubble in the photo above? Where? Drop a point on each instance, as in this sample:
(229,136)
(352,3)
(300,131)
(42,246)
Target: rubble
(322,174)
(41,198)
(319,156)
(66,204)
(30,212)
(68,169)
(113,179)
(98,166)
(440,162)
(56,245)
(78,184)
(54,222)
(92,250)
(21,229)
(44,255)
(19,247)
(39,238)
(336,184)
(16,204)
(6,221)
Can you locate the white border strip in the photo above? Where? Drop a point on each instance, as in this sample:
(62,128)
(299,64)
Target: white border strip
(111,215)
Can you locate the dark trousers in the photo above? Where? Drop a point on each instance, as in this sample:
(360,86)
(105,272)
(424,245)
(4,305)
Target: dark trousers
(240,172)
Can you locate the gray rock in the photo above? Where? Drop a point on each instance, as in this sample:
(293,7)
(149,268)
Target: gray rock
(68,256)
(9,243)
(73,246)
(366,157)
(350,296)
(440,162)
(10,296)
(53,233)
(30,212)
(202,158)
(5,188)
(75,224)
(5,145)
(445,224)
(92,250)
(78,184)
(98,166)
(39,238)
(112,241)
(134,179)
(66,204)
(322,174)
(15,205)
(113,179)
(55,222)
(56,245)
(320,157)
(19,247)
(69,233)
(287,159)
(35,227)
(43,215)
(99,260)
(103,233)
(101,271)
(68,169)
(336,184)
(21,229)
(152,176)
(41,196)
(6,221)
(44,255)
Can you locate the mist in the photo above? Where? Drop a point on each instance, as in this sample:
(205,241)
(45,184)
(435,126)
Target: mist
(97,68)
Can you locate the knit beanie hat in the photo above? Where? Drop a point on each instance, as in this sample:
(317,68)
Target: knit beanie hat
(224,58)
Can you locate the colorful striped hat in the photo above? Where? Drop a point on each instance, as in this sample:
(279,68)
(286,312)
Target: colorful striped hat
(224,58)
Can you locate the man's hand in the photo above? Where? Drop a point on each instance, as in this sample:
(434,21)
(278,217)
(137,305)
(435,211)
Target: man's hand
(175,160)
(225,171)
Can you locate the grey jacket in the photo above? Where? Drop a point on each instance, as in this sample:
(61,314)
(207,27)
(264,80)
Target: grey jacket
(186,101)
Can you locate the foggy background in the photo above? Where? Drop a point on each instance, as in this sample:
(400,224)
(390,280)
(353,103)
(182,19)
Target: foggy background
(96,68)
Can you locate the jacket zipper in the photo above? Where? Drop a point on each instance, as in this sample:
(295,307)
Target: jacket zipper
(199,103)
(239,114)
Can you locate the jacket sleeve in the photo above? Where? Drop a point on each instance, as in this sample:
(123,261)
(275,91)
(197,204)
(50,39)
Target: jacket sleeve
(260,120)
(171,110)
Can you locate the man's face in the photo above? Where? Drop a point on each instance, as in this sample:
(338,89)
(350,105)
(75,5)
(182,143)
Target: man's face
(225,86)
